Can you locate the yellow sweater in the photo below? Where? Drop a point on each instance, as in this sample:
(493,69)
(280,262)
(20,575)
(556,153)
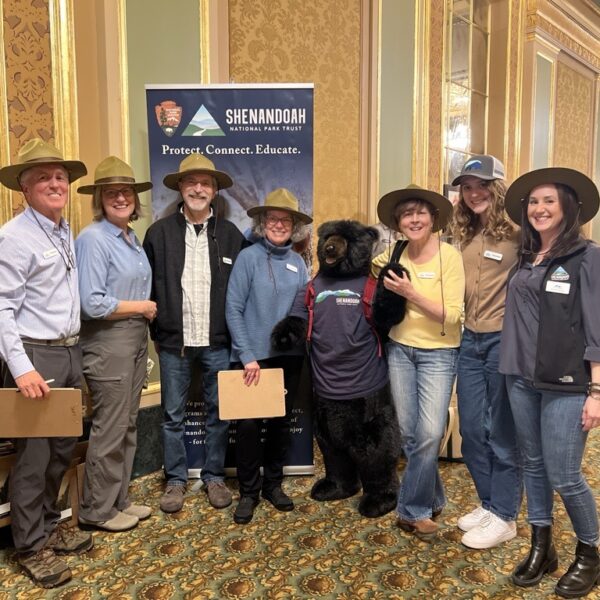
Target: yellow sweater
(417,329)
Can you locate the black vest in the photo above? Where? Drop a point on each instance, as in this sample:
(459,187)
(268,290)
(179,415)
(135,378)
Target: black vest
(561,342)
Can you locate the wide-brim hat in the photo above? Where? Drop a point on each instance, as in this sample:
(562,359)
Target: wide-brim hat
(113,170)
(280,199)
(36,153)
(586,190)
(197,163)
(387,205)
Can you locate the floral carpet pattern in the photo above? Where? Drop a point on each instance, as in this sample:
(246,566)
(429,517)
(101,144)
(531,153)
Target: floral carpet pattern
(320,551)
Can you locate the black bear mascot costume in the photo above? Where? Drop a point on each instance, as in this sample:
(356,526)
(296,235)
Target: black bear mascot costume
(354,417)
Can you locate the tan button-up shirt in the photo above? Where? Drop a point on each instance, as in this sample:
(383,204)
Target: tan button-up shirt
(487,263)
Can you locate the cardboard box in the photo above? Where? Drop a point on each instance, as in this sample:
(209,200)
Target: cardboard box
(239,401)
(57,415)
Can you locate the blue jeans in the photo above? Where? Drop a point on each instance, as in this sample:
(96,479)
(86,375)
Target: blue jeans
(552,443)
(175,379)
(421,383)
(489,443)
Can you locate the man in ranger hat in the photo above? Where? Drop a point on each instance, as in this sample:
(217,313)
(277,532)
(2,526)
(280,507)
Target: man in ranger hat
(191,253)
(39,326)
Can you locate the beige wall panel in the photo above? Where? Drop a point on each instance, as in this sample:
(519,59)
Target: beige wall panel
(573,126)
(436,86)
(306,42)
(28,75)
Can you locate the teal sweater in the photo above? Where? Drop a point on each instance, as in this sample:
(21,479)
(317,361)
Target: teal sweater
(262,287)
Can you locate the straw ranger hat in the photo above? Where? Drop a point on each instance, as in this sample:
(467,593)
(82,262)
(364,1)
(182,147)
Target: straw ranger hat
(584,187)
(197,163)
(35,153)
(280,199)
(387,206)
(114,170)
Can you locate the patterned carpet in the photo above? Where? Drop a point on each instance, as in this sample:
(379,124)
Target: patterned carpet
(323,551)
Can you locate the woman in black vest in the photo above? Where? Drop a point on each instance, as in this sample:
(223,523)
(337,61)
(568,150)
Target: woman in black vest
(550,352)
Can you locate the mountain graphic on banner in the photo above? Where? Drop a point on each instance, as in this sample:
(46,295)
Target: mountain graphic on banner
(203,124)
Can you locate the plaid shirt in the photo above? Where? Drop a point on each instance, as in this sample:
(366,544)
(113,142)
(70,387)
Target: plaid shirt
(195,285)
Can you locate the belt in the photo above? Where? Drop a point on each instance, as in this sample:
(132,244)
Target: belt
(66,341)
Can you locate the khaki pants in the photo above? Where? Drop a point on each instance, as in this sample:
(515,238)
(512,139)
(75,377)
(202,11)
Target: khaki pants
(114,364)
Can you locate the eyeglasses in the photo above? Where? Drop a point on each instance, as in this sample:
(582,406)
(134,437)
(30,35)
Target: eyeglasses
(285,221)
(114,194)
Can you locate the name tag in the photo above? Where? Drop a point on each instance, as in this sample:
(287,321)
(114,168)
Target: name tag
(558,287)
(292,268)
(227,260)
(50,253)
(425,275)
(492,255)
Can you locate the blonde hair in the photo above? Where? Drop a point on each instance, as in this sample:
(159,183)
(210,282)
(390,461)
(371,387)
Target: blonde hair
(465,222)
(98,207)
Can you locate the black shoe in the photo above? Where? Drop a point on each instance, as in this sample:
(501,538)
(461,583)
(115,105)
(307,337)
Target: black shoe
(542,558)
(244,511)
(279,499)
(582,575)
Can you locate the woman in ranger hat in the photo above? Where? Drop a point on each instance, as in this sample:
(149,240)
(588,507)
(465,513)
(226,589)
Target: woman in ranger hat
(489,243)
(423,348)
(550,353)
(114,285)
(262,287)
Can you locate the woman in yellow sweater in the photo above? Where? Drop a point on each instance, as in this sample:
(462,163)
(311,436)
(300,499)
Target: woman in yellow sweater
(423,348)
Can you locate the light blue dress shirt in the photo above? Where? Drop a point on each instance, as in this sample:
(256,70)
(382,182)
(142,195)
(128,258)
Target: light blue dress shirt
(111,269)
(39,295)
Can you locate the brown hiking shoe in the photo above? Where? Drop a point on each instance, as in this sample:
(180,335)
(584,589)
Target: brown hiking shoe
(172,500)
(69,540)
(218,493)
(45,568)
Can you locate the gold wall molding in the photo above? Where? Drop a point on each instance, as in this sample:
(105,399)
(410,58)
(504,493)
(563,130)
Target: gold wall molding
(541,24)
(5,195)
(64,93)
(420,155)
(514,88)
(435,133)
(214,41)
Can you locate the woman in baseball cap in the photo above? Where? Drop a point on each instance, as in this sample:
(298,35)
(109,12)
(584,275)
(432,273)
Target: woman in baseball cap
(489,243)
(550,354)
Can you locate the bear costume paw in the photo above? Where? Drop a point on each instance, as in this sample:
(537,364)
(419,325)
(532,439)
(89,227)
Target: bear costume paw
(389,308)
(377,505)
(288,333)
(327,489)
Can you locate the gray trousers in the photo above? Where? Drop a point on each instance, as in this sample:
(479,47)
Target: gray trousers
(114,364)
(41,463)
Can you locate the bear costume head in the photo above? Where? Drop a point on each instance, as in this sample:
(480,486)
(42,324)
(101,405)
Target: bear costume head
(344,248)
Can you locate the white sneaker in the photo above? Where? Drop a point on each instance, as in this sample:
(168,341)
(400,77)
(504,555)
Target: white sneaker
(490,533)
(474,518)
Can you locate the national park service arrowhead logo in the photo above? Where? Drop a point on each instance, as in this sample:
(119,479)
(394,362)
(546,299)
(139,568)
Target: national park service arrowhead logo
(168,115)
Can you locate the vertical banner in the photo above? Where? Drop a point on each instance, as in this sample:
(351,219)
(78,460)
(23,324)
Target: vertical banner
(262,136)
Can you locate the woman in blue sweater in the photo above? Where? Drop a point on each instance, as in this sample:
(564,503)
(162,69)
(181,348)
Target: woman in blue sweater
(263,284)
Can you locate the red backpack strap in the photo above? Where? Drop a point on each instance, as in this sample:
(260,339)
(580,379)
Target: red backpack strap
(309,302)
(367,303)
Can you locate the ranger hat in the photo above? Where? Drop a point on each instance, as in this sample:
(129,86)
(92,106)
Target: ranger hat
(388,203)
(280,199)
(582,185)
(113,170)
(197,163)
(34,153)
